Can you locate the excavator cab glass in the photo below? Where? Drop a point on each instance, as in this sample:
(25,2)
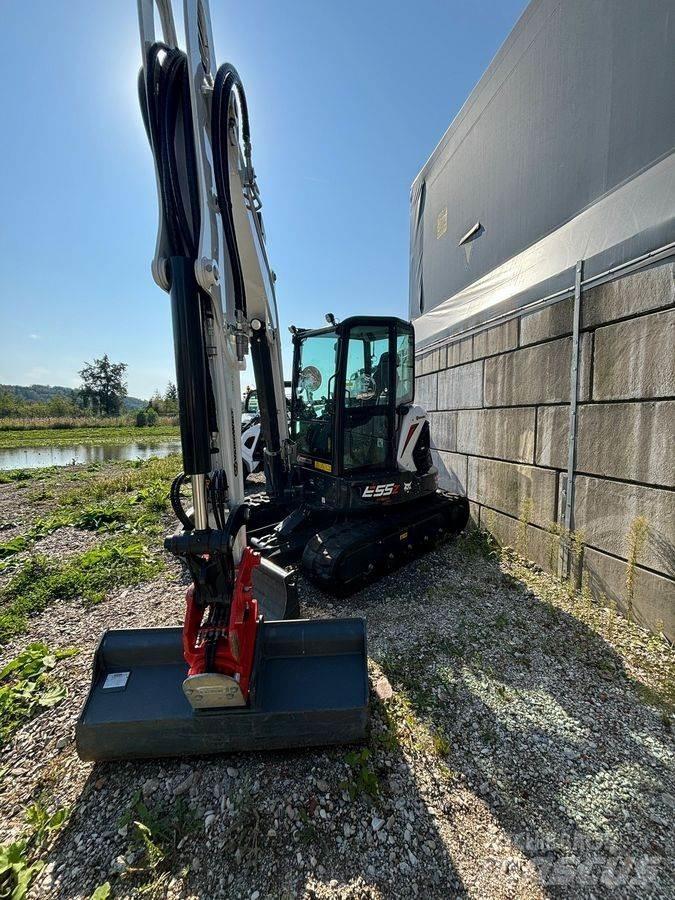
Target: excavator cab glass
(349,381)
(313,403)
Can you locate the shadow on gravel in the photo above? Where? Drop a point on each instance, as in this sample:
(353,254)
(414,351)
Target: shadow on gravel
(539,715)
(282,826)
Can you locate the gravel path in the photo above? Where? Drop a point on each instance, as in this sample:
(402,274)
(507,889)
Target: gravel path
(512,754)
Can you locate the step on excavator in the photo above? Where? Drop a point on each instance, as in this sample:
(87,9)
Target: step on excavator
(350,488)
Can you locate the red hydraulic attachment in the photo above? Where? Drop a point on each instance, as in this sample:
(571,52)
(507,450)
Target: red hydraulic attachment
(235,643)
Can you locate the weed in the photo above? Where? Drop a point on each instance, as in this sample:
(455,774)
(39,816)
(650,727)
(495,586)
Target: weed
(309,833)
(15,545)
(555,533)
(27,684)
(501,622)
(526,509)
(576,540)
(102,892)
(44,824)
(19,861)
(441,745)
(247,831)
(637,537)
(157,831)
(16,870)
(363,779)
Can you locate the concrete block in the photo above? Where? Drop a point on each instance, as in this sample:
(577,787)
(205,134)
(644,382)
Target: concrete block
(653,600)
(635,358)
(527,540)
(452,471)
(496,340)
(428,362)
(460,352)
(443,427)
(552,433)
(474,515)
(538,374)
(461,387)
(513,489)
(426,391)
(631,441)
(502,433)
(604,511)
(422,364)
(638,293)
(553,321)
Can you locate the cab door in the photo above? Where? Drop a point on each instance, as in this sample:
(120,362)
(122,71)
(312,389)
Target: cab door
(368,402)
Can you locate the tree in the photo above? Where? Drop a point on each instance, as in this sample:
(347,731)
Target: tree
(171,399)
(103,386)
(9,405)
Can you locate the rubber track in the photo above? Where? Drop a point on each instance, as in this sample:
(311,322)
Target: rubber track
(342,557)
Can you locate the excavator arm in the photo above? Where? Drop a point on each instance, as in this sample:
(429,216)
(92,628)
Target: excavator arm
(210,256)
(210,253)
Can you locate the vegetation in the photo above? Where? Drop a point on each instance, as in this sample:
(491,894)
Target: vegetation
(44,401)
(123,502)
(103,386)
(41,581)
(21,860)
(101,399)
(28,684)
(363,778)
(101,431)
(156,831)
(637,537)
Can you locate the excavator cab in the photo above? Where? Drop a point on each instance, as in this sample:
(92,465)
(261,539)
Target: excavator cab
(350,382)
(358,435)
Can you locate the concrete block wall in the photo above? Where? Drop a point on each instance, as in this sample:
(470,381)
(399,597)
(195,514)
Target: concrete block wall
(498,405)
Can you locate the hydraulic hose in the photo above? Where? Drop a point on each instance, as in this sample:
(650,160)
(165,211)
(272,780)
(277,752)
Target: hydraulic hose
(227,81)
(163,94)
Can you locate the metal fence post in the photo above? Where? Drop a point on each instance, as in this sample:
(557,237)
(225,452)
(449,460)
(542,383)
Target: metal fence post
(568,486)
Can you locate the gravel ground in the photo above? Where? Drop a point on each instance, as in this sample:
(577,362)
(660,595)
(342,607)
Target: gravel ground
(513,753)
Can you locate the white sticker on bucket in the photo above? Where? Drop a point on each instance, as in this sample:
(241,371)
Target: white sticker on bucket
(116,680)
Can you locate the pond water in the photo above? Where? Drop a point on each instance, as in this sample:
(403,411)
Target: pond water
(40,457)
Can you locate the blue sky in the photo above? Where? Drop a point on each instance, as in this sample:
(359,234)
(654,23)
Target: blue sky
(347,100)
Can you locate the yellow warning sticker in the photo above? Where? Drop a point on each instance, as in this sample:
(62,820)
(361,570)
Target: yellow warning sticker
(325,467)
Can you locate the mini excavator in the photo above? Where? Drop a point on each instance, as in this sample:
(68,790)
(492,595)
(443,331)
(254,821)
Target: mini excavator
(350,486)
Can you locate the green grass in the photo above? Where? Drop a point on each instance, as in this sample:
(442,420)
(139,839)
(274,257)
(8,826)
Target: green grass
(127,497)
(57,437)
(40,581)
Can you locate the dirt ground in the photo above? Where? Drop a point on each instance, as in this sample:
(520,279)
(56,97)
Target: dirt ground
(521,746)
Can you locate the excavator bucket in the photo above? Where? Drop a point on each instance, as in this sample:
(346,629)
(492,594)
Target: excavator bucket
(309,688)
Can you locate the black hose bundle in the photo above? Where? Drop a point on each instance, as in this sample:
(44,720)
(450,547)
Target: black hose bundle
(218,497)
(226,83)
(164,96)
